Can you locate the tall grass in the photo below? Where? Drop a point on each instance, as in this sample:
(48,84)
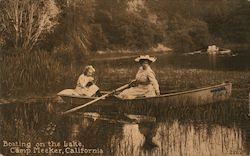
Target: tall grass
(32,73)
(41,73)
(174,78)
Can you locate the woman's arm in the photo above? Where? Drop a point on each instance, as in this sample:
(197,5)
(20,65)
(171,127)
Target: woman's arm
(154,82)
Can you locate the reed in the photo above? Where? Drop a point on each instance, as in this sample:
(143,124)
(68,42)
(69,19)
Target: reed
(173,78)
(31,73)
(223,113)
(40,73)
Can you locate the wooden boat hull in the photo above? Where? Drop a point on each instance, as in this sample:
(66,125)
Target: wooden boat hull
(192,97)
(220,52)
(199,96)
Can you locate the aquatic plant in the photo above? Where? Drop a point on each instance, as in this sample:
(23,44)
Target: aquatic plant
(39,73)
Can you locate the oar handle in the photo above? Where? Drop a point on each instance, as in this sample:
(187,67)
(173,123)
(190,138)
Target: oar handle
(120,88)
(123,87)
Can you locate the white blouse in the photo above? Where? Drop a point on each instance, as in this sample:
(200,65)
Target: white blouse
(146,77)
(83,80)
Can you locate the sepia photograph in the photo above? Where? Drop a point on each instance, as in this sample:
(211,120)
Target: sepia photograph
(125,77)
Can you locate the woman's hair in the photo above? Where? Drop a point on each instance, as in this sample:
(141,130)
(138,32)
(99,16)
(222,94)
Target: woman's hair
(85,71)
(87,68)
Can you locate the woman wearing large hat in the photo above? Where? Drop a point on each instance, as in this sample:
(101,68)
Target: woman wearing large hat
(146,84)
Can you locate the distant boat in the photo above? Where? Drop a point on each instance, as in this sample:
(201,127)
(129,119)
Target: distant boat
(213,50)
(223,51)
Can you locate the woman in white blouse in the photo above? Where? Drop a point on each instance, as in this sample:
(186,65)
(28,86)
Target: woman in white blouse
(146,84)
(85,83)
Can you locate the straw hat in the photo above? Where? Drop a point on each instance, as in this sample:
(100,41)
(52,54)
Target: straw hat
(145,57)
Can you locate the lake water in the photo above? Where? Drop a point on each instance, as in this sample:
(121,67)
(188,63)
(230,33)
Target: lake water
(217,129)
(239,62)
(199,61)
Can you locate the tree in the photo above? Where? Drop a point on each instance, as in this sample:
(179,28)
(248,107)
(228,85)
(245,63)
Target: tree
(26,21)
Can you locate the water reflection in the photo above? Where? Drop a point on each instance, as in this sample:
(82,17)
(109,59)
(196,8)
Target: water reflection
(160,138)
(120,136)
(149,131)
(188,140)
(212,61)
(177,139)
(92,133)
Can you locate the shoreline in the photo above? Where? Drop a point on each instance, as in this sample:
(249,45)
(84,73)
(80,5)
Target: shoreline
(119,56)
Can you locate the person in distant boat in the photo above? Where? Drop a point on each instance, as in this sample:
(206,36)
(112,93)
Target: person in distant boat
(146,84)
(85,83)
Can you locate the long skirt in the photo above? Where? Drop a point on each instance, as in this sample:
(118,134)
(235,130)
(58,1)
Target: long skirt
(89,91)
(138,91)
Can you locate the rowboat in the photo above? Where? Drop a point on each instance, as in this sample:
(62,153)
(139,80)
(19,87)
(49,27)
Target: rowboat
(200,96)
(219,52)
(224,51)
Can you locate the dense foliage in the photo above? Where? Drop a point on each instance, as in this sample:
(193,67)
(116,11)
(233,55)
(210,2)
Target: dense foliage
(87,26)
(139,24)
(23,23)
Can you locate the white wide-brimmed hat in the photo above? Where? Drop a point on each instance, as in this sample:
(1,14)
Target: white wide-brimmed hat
(145,57)
(89,67)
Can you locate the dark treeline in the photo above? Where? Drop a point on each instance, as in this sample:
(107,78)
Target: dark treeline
(137,24)
(86,26)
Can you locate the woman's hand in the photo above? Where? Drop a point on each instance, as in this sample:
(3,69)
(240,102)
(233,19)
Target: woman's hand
(91,79)
(133,83)
(158,93)
(89,84)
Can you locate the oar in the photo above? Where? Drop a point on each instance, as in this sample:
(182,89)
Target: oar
(97,99)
